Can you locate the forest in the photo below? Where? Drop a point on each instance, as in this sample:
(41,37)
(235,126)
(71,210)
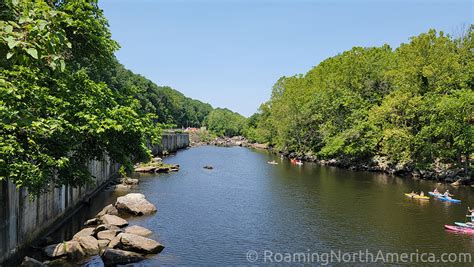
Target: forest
(65,98)
(413,105)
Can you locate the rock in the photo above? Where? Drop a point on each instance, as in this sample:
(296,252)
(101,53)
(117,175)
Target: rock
(30,262)
(84,232)
(129,181)
(115,242)
(117,256)
(135,204)
(95,261)
(208,167)
(103,243)
(138,230)
(457,183)
(109,209)
(138,243)
(89,244)
(93,221)
(104,227)
(145,169)
(156,160)
(71,249)
(122,188)
(107,234)
(113,220)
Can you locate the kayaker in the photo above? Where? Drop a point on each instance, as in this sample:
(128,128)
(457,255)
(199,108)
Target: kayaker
(472,214)
(436,190)
(422,194)
(446,194)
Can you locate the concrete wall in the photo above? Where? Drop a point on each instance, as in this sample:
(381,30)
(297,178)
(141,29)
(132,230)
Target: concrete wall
(22,219)
(171,142)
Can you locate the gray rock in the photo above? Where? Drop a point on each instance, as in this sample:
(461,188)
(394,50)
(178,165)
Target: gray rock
(93,221)
(103,243)
(71,249)
(122,188)
(103,227)
(30,262)
(109,209)
(95,261)
(138,230)
(115,241)
(129,181)
(89,244)
(113,220)
(117,256)
(135,204)
(107,234)
(141,244)
(84,232)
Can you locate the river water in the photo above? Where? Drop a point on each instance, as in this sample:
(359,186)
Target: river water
(244,204)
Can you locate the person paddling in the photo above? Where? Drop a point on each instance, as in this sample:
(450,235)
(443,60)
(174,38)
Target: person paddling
(422,194)
(436,190)
(472,214)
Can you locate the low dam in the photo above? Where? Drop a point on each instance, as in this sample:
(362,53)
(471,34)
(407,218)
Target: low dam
(22,220)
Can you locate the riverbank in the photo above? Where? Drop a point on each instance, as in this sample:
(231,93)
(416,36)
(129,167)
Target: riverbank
(440,172)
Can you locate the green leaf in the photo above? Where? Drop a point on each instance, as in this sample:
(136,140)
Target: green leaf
(32,52)
(8,29)
(12,42)
(63,65)
(10,54)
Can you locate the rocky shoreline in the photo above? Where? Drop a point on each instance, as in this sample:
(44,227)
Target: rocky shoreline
(441,172)
(107,239)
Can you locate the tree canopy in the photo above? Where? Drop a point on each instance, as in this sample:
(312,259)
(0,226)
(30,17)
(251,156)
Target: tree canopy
(413,105)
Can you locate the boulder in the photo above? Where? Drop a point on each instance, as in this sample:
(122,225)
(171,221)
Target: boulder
(129,181)
(113,220)
(115,241)
(116,256)
(71,249)
(93,221)
(89,245)
(109,209)
(30,262)
(141,244)
(95,261)
(107,234)
(104,227)
(103,243)
(84,232)
(122,188)
(138,230)
(156,160)
(135,204)
(145,169)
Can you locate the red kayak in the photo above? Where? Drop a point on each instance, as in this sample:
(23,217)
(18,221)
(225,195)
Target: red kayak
(459,229)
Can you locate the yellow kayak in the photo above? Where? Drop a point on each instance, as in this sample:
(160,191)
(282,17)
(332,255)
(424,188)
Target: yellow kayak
(417,196)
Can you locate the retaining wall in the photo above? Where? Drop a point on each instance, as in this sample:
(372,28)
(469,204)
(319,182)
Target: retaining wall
(22,219)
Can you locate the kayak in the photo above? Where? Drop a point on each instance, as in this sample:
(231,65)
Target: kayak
(417,196)
(459,229)
(272,162)
(465,225)
(435,194)
(299,163)
(449,199)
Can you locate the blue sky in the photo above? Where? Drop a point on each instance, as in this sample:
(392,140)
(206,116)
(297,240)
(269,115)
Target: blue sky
(229,53)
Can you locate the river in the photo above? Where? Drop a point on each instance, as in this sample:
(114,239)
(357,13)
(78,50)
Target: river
(217,216)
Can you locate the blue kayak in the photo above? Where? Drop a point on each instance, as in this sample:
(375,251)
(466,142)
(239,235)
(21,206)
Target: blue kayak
(448,199)
(464,225)
(435,194)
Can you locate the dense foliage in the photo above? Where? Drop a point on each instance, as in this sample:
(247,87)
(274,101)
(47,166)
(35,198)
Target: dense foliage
(170,106)
(65,99)
(413,105)
(225,122)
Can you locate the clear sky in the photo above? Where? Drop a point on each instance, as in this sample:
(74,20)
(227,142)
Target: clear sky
(229,53)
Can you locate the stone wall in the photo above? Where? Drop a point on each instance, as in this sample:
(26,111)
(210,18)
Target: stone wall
(22,219)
